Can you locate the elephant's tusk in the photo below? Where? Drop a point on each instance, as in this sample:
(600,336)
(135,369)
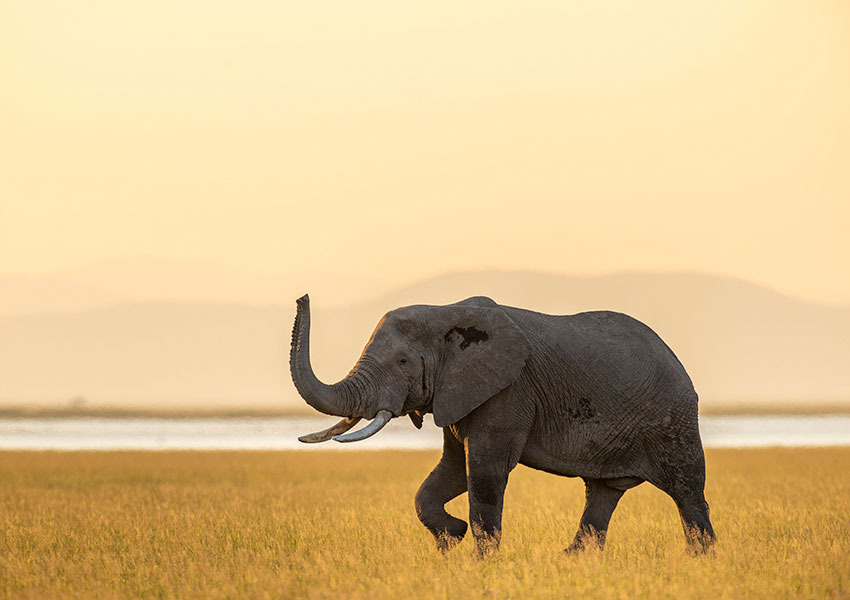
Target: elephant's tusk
(326,434)
(382,418)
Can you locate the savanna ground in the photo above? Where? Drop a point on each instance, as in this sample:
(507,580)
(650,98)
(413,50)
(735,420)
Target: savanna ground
(342,525)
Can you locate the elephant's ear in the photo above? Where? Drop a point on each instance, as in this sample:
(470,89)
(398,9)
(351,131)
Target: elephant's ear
(484,352)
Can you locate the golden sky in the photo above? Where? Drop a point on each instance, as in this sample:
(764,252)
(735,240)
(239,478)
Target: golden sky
(402,140)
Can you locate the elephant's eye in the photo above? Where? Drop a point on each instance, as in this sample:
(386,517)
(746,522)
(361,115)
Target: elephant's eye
(402,361)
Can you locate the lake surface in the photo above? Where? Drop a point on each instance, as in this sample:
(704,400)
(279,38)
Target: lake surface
(282,433)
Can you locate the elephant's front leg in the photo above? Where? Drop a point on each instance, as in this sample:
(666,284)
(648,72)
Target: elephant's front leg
(489,462)
(446,482)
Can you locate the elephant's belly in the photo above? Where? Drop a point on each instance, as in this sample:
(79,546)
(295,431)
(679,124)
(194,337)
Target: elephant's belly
(538,459)
(582,456)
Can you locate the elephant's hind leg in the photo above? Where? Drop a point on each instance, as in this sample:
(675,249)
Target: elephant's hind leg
(693,510)
(446,482)
(600,502)
(686,485)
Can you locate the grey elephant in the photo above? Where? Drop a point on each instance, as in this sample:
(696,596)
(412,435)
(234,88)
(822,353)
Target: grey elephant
(596,395)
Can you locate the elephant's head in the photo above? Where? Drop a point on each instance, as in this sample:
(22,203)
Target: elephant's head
(442,359)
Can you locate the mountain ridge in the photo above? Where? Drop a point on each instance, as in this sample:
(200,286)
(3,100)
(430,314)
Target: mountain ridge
(150,279)
(738,340)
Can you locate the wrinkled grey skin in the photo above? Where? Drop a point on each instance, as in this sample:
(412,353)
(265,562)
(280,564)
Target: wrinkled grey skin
(596,395)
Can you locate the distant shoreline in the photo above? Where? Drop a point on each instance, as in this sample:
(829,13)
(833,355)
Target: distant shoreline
(12,412)
(817,408)
(41,412)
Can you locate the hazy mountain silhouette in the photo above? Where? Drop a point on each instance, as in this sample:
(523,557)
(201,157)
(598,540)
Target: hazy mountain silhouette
(23,294)
(738,341)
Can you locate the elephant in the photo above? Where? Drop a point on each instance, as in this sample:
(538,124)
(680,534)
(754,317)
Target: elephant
(596,395)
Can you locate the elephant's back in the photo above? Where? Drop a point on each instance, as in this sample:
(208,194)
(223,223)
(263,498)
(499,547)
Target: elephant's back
(607,351)
(601,339)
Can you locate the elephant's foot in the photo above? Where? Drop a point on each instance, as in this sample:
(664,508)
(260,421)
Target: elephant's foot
(486,544)
(446,542)
(451,536)
(699,541)
(587,539)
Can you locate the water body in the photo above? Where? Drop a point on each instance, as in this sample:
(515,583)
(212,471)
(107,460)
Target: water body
(282,433)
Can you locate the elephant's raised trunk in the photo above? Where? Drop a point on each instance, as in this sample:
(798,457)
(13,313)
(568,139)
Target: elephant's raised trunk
(338,399)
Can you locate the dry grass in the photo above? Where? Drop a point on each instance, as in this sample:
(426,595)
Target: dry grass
(321,525)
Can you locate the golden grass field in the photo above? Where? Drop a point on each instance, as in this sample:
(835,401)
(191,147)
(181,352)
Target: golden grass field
(342,525)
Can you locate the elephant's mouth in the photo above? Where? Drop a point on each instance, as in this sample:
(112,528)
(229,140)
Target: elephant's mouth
(337,432)
(416,418)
